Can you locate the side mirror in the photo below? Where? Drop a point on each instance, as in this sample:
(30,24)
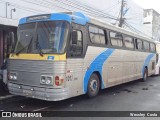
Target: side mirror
(74,37)
(11,40)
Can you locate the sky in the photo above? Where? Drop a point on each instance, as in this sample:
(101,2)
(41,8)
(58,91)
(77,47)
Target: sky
(147,4)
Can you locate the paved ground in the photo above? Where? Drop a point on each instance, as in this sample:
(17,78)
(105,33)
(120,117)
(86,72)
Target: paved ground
(133,96)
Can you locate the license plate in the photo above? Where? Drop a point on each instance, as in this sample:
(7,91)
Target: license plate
(27,92)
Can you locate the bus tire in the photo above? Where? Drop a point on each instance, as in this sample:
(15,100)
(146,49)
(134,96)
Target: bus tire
(145,75)
(93,86)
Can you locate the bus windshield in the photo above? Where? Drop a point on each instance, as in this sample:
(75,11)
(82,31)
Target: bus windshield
(48,37)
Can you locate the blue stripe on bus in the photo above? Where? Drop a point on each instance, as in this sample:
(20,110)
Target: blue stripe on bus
(97,65)
(60,16)
(22,21)
(146,63)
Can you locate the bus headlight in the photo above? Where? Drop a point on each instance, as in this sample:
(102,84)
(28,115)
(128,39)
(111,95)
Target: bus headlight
(46,80)
(12,76)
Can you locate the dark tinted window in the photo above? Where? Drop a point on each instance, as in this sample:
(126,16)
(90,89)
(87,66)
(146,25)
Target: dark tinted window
(139,44)
(116,39)
(129,43)
(97,35)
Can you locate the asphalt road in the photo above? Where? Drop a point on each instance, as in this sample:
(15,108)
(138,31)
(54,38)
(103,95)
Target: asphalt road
(132,96)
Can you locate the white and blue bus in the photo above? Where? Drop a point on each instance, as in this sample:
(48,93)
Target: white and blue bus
(62,55)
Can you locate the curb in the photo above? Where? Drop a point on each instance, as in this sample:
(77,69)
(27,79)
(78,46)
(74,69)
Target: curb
(7,96)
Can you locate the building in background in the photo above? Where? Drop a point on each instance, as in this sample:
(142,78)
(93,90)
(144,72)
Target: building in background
(151,23)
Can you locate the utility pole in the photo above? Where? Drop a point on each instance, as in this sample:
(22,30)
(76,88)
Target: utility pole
(121,21)
(7,3)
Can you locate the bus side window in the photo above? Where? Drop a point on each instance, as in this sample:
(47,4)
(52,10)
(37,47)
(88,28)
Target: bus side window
(129,43)
(146,46)
(76,45)
(116,39)
(152,47)
(97,35)
(139,44)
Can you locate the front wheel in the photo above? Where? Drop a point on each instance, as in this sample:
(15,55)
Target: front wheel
(93,86)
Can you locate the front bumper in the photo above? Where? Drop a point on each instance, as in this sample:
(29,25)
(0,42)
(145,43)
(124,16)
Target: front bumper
(48,94)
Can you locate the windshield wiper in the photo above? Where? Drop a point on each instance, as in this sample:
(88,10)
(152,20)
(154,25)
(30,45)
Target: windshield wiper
(17,53)
(39,47)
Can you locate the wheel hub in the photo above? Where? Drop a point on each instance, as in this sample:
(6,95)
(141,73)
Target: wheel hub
(93,86)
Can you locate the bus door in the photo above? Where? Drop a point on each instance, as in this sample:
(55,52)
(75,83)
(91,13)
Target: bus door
(75,58)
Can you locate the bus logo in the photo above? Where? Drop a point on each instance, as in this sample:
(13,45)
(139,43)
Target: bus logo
(50,57)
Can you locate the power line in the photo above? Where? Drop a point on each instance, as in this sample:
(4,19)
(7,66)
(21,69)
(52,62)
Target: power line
(74,5)
(135,30)
(47,5)
(24,8)
(89,10)
(112,7)
(68,5)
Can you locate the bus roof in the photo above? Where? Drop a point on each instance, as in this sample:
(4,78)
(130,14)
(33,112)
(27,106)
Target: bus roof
(76,17)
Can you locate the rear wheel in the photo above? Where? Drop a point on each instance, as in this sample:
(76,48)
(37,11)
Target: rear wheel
(93,86)
(145,75)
